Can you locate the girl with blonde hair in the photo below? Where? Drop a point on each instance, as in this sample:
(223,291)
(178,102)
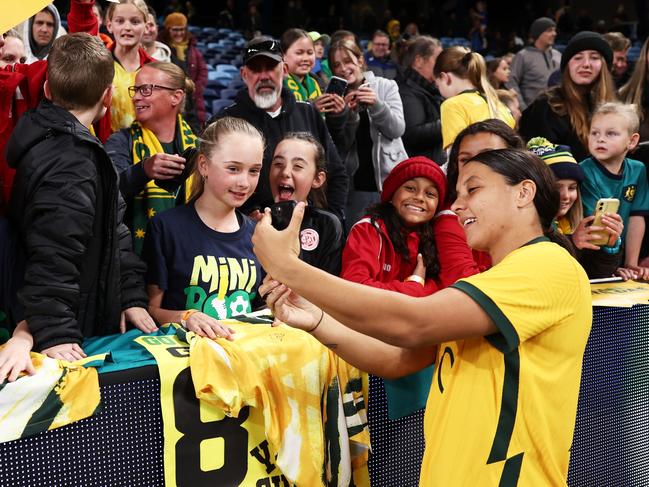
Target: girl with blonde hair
(200,263)
(461,78)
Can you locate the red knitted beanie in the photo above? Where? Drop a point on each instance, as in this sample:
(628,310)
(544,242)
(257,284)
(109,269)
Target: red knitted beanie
(415,167)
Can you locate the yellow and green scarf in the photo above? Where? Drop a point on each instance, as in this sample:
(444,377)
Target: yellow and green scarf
(153,199)
(305,90)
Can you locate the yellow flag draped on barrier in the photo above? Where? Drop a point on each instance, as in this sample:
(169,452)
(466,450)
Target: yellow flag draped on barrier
(19,12)
(620,294)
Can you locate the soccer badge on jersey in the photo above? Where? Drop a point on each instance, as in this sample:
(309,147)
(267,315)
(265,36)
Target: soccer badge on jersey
(309,239)
(629,192)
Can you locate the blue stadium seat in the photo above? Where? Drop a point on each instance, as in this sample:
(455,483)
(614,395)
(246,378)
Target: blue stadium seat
(217,83)
(229,93)
(224,77)
(634,53)
(235,84)
(218,105)
(226,68)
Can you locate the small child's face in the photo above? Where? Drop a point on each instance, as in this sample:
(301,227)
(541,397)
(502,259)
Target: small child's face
(319,48)
(610,139)
(293,172)
(127,25)
(416,201)
(232,171)
(567,195)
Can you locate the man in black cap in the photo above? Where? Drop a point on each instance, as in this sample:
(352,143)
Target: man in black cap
(533,65)
(274,111)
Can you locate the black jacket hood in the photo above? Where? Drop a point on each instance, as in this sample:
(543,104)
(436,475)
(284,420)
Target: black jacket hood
(39,124)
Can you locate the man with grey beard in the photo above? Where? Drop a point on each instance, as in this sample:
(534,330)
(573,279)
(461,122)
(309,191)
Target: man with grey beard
(274,111)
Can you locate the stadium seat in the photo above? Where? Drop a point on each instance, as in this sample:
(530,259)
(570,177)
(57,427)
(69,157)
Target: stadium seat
(633,54)
(235,84)
(216,84)
(229,93)
(225,78)
(226,68)
(218,105)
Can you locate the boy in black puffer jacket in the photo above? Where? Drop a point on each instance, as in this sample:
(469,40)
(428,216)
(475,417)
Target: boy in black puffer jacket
(81,277)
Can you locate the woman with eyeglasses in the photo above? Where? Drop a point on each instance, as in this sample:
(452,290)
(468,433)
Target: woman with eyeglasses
(148,155)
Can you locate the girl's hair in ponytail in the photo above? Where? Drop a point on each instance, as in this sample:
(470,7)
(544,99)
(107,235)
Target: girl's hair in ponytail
(520,165)
(471,66)
(317,196)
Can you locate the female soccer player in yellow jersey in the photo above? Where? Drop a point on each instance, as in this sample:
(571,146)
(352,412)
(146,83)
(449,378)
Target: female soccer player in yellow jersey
(508,343)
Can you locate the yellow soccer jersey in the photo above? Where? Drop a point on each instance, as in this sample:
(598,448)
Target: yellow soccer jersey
(312,401)
(502,408)
(122,112)
(59,393)
(460,111)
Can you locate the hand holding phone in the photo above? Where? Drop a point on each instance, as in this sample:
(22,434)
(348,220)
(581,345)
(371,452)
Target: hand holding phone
(175,181)
(603,206)
(281,213)
(337,86)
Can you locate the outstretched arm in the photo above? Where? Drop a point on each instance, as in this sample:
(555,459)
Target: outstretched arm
(364,352)
(393,318)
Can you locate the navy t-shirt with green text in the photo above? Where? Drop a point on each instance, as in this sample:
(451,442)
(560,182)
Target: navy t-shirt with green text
(200,268)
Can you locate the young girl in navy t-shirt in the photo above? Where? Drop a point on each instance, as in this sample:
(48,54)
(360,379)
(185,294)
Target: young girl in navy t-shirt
(201,267)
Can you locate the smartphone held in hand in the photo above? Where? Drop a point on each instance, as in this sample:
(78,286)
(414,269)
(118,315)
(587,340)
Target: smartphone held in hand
(281,213)
(603,206)
(337,86)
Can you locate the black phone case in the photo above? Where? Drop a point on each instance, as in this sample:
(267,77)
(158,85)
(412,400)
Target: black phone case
(281,214)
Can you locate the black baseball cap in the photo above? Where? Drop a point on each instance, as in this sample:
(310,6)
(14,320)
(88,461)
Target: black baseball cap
(262,46)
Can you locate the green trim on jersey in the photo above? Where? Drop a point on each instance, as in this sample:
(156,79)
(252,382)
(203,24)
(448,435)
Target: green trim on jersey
(509,340)
(511,471)
(536,240)
(508,408)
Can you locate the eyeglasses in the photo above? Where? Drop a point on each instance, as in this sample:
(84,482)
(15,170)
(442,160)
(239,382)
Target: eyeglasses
(147,89)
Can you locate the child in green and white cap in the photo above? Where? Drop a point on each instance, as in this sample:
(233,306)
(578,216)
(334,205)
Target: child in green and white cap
(597,261)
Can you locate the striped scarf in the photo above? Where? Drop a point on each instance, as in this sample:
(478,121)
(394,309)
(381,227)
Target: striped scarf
(305,90)
(152,200)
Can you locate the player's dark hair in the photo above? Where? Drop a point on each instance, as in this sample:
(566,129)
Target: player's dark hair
(491,126)
(394,226)
(517,165)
